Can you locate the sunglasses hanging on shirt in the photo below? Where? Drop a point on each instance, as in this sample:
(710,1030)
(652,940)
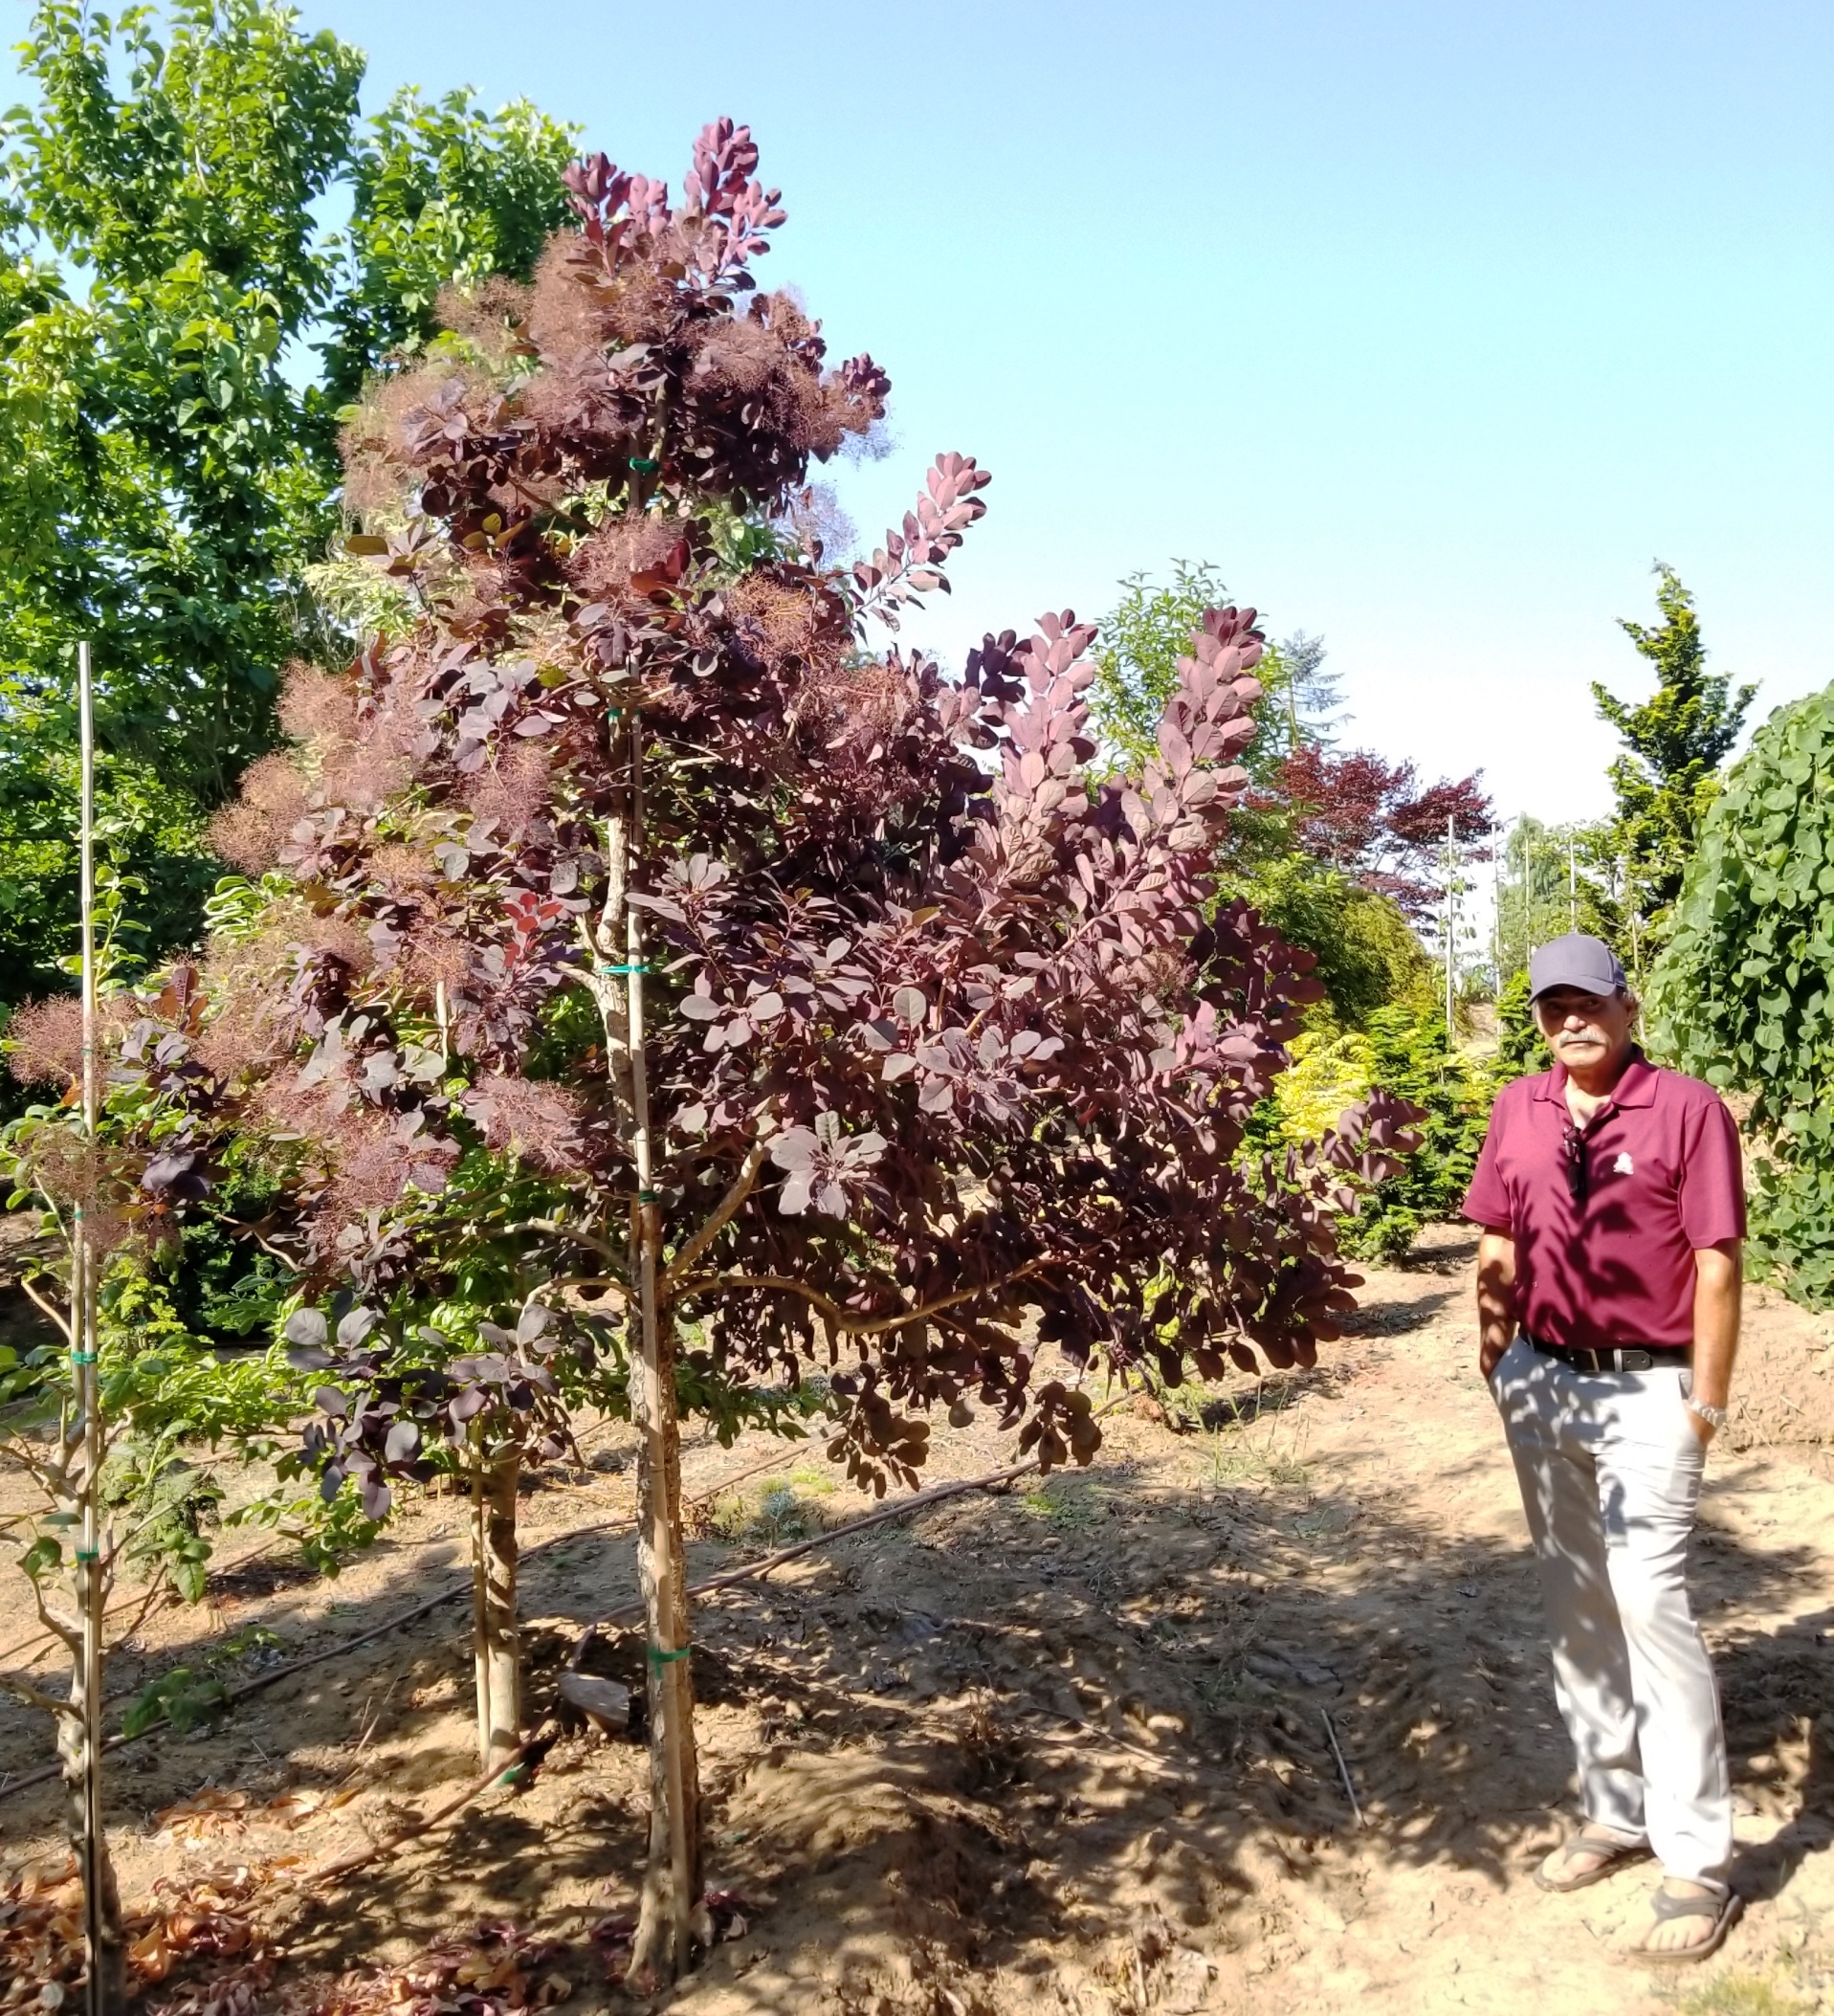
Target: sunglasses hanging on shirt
(1573,1155)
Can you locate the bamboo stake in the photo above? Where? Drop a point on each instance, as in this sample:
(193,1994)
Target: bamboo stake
(100,1935)
(83,1327)
(1496,904)
(1528,893)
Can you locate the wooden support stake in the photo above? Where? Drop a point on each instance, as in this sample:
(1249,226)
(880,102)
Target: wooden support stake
(105,1979)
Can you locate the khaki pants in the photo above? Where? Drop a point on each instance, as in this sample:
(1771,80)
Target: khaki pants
(1610,1466)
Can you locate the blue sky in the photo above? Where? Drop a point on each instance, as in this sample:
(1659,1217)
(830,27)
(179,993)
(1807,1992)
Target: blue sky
(1432,325)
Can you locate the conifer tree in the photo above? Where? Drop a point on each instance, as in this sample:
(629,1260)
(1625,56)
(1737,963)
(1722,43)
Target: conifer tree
(1676,741)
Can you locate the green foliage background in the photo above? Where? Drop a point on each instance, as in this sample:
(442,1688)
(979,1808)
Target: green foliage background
(1405,1050)
(1521,1049)
(1382,1022)
(1367,954)
(177,334)
(1743,992)
(1674,743)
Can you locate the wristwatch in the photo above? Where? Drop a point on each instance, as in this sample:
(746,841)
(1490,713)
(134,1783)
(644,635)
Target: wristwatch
(1714,1417)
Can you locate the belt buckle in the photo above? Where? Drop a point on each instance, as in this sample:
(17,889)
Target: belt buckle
(1592,1358)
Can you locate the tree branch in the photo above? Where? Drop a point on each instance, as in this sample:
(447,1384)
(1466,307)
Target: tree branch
(846,1319)
(262,1239)
(45,1307)
(709,1231)
(36,1698)
(592,1241)
(65,1628)
(53,1479)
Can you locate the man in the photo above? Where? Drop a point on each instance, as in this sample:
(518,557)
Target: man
(1612,1205)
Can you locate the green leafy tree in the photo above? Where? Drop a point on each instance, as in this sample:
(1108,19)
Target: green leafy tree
(178,332)
(1366,952)
(152,845)
(443,194)
(1147,631)
(1743,991)
(1554,879)
(1402,1050)
(1521,1049)
(1676,741)
(1411,1056)
(171,480)
(1368,957)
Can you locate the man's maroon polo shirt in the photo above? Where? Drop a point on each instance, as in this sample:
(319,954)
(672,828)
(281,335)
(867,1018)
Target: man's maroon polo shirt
(1663,1180)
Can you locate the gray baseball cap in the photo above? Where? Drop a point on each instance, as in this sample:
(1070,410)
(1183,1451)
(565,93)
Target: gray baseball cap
(1575,961)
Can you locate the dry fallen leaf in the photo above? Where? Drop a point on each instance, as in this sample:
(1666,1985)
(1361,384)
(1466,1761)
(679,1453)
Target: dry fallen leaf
(211,1811)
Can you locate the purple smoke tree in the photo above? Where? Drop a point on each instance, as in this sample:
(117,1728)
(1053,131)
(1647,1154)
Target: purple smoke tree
(754,1002)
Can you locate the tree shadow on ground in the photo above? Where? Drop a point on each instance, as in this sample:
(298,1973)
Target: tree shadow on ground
(1392,1319)
(1099,1748)
(1025,1722)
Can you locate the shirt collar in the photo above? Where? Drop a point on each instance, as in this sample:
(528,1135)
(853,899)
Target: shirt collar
(1635,1087)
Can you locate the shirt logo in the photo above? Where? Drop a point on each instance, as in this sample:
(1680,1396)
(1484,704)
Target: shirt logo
(1625,1166)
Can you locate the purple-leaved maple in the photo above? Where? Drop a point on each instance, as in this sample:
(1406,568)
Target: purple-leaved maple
(834,1022)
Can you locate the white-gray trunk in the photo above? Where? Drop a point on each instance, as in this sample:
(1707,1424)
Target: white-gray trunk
(107,1989)
(672,1915)
(497,1648)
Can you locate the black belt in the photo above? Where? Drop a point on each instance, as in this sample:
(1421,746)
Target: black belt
(1629,1358)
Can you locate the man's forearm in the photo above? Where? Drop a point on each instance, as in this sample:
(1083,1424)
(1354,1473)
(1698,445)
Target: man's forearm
(1495,1297)
(1718,1296)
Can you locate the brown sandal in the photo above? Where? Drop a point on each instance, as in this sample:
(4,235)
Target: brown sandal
(1723,1911)
(1616,1853)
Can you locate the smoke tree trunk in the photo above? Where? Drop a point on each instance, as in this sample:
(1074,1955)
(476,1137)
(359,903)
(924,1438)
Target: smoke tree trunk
(496,1649)
(480,1628)
(500,1648)
(107,1948)
(672,1913)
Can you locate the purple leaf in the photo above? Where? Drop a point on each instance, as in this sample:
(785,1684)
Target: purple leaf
(795,1148)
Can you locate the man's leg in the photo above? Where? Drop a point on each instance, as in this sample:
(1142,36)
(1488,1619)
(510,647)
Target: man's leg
(1546,1420)
(1649,1471)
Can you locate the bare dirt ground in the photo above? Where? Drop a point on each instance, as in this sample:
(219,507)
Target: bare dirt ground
(1063,1749)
